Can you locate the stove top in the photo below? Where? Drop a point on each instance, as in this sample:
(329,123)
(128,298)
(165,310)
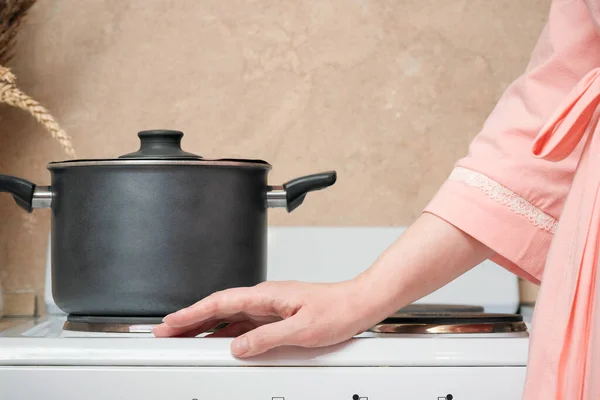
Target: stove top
(455,335)
(372,365)
(46,342)
(413,319)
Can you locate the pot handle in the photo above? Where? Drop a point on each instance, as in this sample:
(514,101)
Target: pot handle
(26,194)
(291,194)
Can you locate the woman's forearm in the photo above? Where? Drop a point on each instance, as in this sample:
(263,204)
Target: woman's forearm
(430,254)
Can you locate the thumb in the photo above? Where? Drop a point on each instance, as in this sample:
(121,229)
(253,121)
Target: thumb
(267,337)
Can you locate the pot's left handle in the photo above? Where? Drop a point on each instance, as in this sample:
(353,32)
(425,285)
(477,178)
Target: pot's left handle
(291,194)
(26,194)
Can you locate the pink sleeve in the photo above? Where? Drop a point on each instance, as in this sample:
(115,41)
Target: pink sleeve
(499,193)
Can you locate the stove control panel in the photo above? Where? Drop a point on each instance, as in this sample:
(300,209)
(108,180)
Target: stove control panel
(263,383)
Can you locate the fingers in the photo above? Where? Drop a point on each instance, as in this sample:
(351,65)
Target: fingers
(253,340)
(222,305)
(233,330)
(289,331)
(164,330)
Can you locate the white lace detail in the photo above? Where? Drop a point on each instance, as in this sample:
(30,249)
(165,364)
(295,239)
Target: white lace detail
(504,196)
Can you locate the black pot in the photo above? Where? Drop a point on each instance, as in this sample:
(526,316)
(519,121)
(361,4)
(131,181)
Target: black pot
(156,230)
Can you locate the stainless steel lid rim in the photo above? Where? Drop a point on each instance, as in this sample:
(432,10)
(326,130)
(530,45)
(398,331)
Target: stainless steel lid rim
(157,162)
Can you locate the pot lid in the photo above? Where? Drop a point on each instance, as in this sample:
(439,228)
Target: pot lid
(162,147)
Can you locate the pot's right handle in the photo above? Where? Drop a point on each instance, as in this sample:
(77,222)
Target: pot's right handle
(26,194)
(291,194)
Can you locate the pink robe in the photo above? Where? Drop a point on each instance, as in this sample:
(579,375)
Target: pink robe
(529,189)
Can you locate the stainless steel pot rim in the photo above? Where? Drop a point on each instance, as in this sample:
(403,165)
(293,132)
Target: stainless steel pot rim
(157,162)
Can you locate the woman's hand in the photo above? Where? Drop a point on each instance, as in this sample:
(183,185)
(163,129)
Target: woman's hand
(430,254)
(274,314)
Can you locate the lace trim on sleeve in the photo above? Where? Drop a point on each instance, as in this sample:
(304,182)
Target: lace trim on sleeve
(504,196)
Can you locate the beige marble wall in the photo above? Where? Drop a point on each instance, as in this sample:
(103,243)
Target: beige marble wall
(388,93)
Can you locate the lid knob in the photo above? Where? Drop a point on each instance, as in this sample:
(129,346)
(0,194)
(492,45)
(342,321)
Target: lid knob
(162,144)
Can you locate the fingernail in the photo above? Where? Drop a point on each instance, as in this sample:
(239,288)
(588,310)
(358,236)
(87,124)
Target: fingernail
(171,316)
(240,346)
(174,315)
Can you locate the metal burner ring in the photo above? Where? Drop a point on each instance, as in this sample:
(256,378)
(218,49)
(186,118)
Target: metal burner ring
(107,327)
(450,328)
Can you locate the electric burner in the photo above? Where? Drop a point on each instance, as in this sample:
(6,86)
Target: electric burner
(110,324)
(114,325)
(439,308)
(450,323)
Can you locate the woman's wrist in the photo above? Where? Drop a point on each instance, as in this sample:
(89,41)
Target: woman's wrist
(429,255)
(377,296)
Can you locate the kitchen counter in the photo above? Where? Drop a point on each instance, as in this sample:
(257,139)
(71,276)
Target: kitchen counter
(9,322)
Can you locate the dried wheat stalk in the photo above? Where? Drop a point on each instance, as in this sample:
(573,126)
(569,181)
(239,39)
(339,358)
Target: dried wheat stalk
(12,13)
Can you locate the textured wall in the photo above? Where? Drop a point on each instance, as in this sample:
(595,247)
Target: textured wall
(388,93)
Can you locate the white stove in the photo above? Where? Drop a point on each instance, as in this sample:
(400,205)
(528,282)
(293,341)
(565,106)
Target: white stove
(43,360)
